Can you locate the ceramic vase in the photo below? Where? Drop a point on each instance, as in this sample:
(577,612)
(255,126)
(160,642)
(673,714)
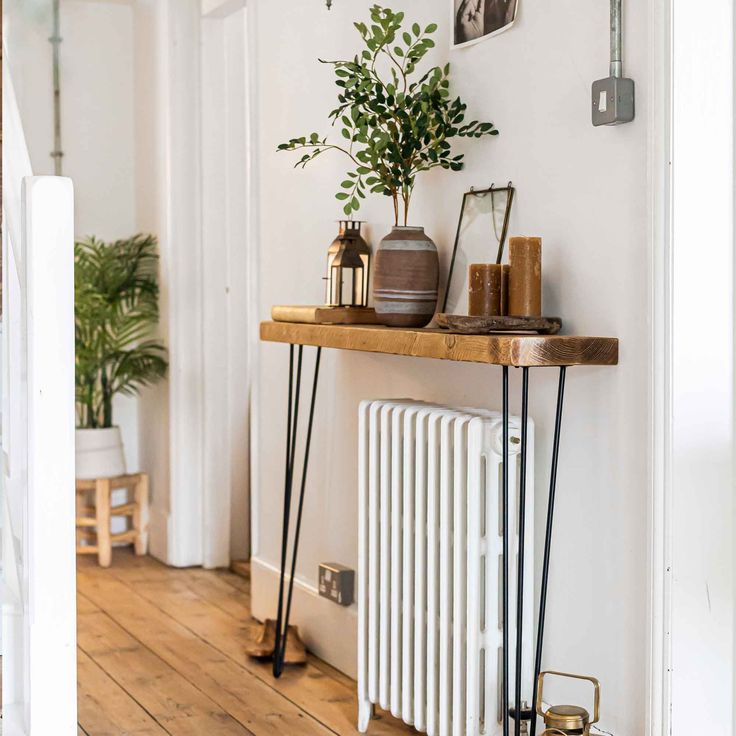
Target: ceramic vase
(99,453)
(405,278)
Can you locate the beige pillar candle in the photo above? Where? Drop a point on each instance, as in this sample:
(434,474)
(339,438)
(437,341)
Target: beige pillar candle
(485,289)
(525,277)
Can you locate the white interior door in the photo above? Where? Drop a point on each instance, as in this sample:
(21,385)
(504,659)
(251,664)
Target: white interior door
(38,544)
(225,281)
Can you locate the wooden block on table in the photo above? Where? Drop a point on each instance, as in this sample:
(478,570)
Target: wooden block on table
(323,315)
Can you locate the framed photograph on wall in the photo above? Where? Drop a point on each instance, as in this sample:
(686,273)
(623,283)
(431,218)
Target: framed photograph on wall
(477,20)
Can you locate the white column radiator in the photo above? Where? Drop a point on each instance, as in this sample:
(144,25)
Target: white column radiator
(429,577)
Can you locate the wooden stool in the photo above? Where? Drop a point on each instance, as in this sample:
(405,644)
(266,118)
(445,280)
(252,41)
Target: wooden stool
(93,522)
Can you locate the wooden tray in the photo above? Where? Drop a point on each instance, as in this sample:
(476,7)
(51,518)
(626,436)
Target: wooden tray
(486,325)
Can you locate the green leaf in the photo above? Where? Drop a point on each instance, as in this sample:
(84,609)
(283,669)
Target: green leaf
(116,310)
(398,122)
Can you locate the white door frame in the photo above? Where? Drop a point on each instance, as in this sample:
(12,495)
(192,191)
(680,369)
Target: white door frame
(209,378)
(660,421)
(226,266)
(691,598)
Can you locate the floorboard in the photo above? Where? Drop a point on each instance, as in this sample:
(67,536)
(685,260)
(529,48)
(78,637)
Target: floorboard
(105,708)
(162,652)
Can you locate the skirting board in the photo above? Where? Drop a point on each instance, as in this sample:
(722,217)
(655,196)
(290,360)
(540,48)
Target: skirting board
(330,631)
(158,534)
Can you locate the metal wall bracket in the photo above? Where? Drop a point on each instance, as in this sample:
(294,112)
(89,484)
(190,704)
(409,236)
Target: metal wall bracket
(613,97)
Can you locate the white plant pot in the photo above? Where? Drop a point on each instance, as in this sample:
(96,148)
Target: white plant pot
(99,453)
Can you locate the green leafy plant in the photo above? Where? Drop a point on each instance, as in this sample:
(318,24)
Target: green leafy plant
(394,126)
(116,309)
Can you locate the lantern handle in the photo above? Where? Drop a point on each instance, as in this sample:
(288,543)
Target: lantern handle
(596,687)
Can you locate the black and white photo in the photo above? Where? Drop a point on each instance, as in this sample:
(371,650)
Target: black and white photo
(477,20)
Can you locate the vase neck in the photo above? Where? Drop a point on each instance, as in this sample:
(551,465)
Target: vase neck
(408,228)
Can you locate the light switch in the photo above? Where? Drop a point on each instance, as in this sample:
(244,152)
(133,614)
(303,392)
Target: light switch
(613,101)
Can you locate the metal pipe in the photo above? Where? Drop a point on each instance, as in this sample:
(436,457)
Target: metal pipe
(616,39)
(55,40)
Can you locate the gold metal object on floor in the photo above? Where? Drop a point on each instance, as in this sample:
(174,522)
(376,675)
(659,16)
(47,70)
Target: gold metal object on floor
(566,720)
(262,647)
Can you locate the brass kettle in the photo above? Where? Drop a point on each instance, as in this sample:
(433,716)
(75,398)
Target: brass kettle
(568,720)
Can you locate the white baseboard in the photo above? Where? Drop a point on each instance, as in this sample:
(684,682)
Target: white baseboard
(158,534)
(330,631)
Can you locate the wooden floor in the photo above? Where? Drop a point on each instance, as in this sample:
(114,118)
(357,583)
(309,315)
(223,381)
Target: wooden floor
(161,652)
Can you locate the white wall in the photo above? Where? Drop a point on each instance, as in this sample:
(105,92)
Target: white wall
(97,121)
(150,191)
(131,127)
(585,191)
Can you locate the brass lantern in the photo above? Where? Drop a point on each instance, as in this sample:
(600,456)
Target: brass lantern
(348,267)
(566,720)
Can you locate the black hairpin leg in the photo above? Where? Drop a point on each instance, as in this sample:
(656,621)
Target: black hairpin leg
(520,557)
(505,566)
(292,421)
(547,547)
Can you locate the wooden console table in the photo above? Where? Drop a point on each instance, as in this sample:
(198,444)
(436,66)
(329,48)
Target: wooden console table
(505,350)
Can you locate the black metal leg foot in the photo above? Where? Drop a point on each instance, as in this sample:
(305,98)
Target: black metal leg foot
(547,547)
(282,619)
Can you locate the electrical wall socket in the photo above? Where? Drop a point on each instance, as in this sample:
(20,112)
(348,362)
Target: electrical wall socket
(613,101)
(336,582)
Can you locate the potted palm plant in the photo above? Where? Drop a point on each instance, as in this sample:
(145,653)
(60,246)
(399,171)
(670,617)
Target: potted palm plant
(395,122)
(116,311)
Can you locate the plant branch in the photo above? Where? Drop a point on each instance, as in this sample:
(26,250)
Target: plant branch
(397,127)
